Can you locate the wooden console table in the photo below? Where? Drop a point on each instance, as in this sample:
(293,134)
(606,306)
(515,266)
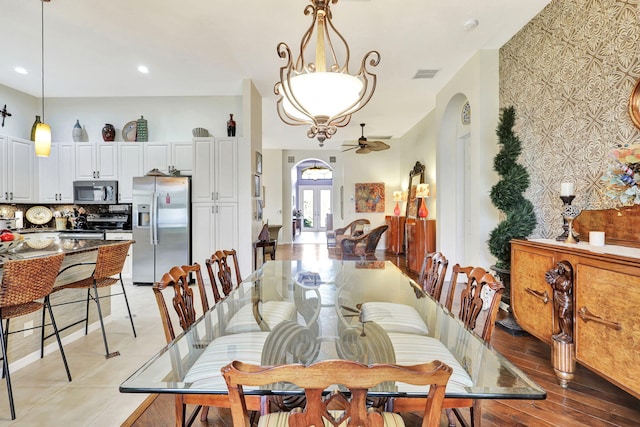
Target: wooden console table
(590,314)
(421,239)
(395,234)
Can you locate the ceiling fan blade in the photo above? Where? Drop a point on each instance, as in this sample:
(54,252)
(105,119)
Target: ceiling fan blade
(363,150)
(350,145)
(351,148)
(377,145)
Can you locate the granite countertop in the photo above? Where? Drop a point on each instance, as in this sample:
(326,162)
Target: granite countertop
(49,246)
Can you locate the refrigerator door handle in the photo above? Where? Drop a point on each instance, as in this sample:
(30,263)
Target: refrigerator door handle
(154,218)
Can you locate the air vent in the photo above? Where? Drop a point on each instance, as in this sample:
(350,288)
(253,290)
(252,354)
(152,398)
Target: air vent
(426,74)
(291,159)
(332,159)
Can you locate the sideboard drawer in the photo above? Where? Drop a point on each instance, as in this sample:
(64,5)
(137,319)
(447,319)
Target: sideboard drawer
(612,298)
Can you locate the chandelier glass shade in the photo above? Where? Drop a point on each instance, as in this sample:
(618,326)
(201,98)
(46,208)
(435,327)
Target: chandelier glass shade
(316,172)
(317,88)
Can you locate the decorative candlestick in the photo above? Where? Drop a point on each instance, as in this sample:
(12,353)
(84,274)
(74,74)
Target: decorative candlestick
(570,213)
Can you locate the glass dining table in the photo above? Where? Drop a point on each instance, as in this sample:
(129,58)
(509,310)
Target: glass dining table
(321,307)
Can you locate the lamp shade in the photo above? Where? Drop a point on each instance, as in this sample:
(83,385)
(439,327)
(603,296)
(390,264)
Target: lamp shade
(43,140)
(397,196)
(422,190)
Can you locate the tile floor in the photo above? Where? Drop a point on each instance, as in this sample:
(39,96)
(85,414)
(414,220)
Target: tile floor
(44,397)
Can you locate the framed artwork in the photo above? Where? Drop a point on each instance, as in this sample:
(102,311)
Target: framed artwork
(370,197)
(416,176)
(258,163)
(259,210)
(256,185)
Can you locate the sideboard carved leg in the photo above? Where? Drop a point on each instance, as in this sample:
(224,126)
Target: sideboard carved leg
(563,354)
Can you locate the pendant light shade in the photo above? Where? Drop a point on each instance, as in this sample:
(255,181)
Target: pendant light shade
(43,140)
(316,89)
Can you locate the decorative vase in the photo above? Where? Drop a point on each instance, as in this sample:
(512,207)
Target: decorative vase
(108,132)
(76,132)
(396,210)
(142,132)
(231,126)
(423,212)
(33,128)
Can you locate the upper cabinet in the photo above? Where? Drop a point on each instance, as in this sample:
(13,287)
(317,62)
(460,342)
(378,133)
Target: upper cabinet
(56,173)
(168,156)
(96,161)
(215,170)
(18,167)
(130,164)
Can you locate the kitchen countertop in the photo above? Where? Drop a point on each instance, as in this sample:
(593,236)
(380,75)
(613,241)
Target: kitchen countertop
(50,246)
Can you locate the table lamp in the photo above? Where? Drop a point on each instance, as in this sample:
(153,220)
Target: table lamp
(397,197)
(422,192)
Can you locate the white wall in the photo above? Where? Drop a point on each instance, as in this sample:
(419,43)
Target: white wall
(23,109)
(169,118)
(272,172)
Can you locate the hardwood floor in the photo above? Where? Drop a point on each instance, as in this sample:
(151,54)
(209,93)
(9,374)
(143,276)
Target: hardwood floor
(588,401)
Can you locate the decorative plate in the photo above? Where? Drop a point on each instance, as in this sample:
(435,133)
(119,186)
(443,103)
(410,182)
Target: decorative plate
(38,243)
(39,215)
(129,131)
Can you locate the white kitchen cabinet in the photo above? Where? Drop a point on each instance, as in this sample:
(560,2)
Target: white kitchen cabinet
(168,156)
(96,161)
(56,174)
(215,170)
(18,170)
(130,164)
(127,269)
(215,227)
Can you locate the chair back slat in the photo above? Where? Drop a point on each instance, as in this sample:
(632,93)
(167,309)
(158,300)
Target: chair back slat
(315,379)
(28,280)
(432,274)
(182,301)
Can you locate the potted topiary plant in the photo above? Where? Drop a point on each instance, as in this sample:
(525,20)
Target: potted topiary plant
(519,219)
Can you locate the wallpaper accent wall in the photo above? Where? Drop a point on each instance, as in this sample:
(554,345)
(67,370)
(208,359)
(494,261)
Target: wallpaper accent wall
(569,74)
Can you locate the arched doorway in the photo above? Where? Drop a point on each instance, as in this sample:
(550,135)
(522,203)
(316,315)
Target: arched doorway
(312,196)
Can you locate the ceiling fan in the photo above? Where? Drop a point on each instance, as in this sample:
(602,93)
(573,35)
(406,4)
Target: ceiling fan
(364,147)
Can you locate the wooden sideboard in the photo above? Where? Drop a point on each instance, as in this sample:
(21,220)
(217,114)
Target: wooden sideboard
(395,234)
(600,310)
(421,239)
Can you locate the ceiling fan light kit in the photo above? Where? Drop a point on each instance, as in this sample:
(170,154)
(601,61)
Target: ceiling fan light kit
(320,94)
(365,146)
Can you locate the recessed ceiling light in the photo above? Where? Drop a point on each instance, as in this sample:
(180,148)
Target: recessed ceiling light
(20,70)
(143,69)
(470,24)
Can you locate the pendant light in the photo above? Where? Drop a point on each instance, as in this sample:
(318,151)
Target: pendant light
(317,89)
(43,130)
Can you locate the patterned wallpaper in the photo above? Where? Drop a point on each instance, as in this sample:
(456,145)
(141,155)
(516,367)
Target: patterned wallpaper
(569,74)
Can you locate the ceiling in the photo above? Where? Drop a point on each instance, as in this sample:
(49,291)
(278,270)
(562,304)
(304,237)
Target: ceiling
(197,47)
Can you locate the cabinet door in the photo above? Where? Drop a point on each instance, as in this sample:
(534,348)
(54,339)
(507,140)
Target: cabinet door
(130,165)
(48,176)
(182,157)
(531,295)
(127,268)
(86,161)
(607,336)
(202,182)
(226,225)
(226,173)
(107,161)
(157,155)
(66,171)
(4,191)
(21,176)
(202,232)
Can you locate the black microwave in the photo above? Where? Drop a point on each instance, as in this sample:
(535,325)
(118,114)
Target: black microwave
(95,192)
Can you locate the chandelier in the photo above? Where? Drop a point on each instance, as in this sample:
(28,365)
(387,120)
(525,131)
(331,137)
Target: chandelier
(317,89)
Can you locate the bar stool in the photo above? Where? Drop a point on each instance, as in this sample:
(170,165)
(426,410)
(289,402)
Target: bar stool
(24,284)
(107,272)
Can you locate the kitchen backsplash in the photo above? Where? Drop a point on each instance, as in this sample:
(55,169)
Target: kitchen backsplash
(9,211)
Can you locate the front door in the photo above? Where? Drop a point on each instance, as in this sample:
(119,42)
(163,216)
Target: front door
(316,204)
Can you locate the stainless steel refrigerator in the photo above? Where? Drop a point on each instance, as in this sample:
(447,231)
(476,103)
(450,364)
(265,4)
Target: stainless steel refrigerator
(161,222)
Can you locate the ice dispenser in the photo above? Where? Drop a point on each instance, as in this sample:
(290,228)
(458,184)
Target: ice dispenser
(144,215)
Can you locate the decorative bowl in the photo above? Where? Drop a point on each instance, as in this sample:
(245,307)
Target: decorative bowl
(199,132)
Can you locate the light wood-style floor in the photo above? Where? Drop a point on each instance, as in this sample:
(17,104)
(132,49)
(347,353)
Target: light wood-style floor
(589,400)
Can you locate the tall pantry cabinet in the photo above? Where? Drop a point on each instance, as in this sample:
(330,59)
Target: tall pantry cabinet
(214,196)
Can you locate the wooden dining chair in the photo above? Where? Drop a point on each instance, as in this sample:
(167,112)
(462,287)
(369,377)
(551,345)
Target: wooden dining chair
(322,408)
(219,271)
(25,288)
(433,273)
(107,272)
